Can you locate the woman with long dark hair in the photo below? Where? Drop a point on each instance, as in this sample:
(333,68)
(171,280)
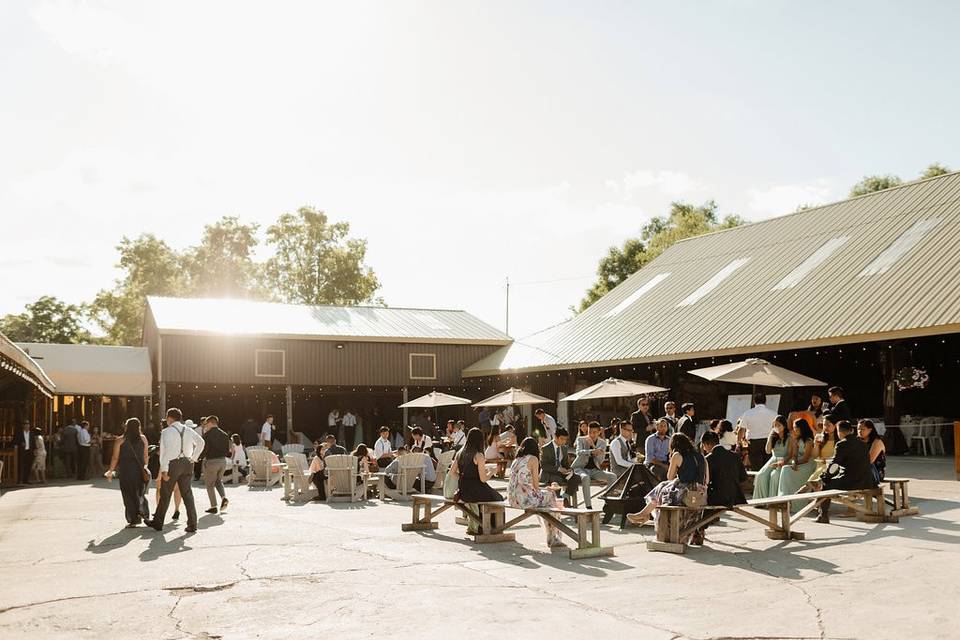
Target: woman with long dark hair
(687,471)
(524,489)
(469,466)
(799,462)
(130,455)
(867,432)
(767,481)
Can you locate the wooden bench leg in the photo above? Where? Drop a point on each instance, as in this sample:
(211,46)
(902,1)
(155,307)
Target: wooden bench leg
(492,518)
(668,533)
(589,548)
(781,530)
(876,508)
(418,522)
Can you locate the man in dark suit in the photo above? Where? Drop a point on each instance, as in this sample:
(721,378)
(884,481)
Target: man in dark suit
(840,408)
(249,433)
(685,424)
(642,419)
(849,468)
(26,445)
(726,473)
(554,466)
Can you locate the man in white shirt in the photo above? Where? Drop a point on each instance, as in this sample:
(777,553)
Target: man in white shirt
(266,432)
(420,440)
(459,436)
(333,423)
(83,450)
(758,422)
(349,422)
(382,448)
(179,450)
(549,424)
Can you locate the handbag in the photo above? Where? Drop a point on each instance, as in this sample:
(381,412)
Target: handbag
(695,497)
(451,486)
(145,473)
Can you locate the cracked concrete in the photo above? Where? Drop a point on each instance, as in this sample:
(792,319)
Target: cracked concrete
(270,570)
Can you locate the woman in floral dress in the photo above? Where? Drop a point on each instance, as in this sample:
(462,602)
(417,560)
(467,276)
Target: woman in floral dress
(524,489)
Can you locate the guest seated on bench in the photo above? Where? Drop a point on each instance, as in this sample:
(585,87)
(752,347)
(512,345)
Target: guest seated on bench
(469,466)
(590,452)
(553,465)
(656,449)
(620,458)
(849,469)
(767,482)
(364,460)
(524,490)
(799,462)
(383,449)
(726,472)
(824,444)
(688,471)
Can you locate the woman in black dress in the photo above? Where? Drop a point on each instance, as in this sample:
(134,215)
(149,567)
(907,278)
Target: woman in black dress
(130,455)
(469,466)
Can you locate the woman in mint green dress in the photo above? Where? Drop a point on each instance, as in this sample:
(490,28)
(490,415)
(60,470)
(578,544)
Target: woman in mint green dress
(767,481)
(800,462)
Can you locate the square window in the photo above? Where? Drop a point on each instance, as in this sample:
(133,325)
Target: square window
(423,366)
(270,363)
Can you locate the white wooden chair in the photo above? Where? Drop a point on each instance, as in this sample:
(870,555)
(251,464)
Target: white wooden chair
(927,432)
(297,483)
(342,477)
(444,462)
(291,448)
(262,468)
(410,467)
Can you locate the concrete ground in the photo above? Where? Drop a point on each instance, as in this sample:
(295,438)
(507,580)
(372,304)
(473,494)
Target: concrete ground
(267,569)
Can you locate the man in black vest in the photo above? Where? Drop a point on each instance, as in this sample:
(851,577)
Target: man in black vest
(26,445)
(685,424)
(849,468)
(554,466)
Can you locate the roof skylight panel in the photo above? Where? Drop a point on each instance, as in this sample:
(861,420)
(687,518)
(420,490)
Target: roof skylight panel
(713,282)
(636,295)
(900,247)
(431,321)
(815,259)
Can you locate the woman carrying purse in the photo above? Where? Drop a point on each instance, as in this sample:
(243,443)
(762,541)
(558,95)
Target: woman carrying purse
(130,456)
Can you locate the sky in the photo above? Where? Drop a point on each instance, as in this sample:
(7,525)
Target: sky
(468,142)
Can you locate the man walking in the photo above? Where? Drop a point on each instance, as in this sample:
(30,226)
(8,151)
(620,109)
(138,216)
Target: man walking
(179,449)
(266,431)
(83,450)
(216,448)
(26,444)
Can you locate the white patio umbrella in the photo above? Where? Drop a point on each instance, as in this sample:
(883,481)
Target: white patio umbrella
(613,388)
(513,396)
(757,372)
(433,400)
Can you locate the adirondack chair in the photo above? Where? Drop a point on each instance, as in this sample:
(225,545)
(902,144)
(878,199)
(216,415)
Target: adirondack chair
(291,448)
(444,462)
(342,477)
(297,484)
(262,468)
(410,467)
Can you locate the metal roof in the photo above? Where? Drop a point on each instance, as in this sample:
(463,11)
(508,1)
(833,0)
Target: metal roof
(13,359)
(787,282)
(89,369)
(198,316)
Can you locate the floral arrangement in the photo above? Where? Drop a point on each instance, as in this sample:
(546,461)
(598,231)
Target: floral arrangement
(912,378)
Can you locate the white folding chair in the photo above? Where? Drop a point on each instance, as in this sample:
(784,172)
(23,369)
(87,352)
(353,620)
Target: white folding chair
(291,448)
(342,475)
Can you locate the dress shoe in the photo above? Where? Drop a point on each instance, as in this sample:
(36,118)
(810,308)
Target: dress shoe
(153,524)
(223,504)
(191,529)
(175,516)
(211,510)
(823,518)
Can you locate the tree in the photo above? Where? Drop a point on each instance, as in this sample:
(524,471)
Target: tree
(870,184)
(934,170)
(150,267)
(222,265)
(314,261)
(47,320)
(683,221)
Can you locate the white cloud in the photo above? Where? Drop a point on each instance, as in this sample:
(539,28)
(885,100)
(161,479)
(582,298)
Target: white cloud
(785,198)
(669,183)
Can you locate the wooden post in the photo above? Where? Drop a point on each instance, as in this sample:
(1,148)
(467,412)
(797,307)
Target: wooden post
(289,414)
(163,400)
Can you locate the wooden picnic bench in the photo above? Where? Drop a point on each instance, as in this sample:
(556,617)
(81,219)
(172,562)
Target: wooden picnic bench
(676,523)
(900,504)
(490,523)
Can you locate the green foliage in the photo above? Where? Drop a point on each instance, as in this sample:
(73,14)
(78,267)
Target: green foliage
(314,261)
(934,170)
(871,184)
(151,267)
(222,265)
(47,320)
(683,221)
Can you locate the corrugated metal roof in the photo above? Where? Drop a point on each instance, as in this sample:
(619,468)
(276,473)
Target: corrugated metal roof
(89,369)
(833,299)
(194,316)
(15,360)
